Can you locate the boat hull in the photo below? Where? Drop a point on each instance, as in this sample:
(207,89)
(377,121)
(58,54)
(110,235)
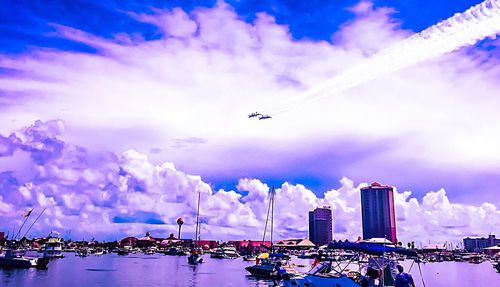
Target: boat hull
(24,262)
(319,281)
(260,270)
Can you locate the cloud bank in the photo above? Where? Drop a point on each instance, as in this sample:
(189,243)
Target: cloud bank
(106,196)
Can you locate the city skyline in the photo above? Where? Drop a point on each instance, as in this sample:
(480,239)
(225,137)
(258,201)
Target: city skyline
(115,115)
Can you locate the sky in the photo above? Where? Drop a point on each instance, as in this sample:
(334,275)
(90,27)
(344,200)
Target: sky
(115,115)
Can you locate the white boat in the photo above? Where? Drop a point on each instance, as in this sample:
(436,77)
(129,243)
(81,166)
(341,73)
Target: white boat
(250,257)
(82,252)
(99,252)
(13,259)
(225,252)
(374,264)
(322,275)
(53,248)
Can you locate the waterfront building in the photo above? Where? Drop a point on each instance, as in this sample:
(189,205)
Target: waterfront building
(377,210)
(250,246)
(128,241)
(477,244)
(491,251)
(295,244)
(147,241)
(321,226)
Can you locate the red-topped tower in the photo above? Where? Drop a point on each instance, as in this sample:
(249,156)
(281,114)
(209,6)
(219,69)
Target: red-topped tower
(377,209)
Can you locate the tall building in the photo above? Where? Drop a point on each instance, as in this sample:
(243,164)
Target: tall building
(321,226)
(377,208)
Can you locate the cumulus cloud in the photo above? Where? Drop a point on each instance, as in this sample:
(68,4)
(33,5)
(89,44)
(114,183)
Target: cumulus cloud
(184,96)
(103,195)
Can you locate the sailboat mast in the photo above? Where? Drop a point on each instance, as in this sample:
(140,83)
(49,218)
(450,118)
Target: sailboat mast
(22,225)
(198,219)
(267,218)
(272,216)
(38,217)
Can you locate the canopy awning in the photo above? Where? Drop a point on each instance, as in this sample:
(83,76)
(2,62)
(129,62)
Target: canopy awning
(370,248)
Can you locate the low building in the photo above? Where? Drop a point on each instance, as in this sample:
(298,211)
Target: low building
(295,244)
(491,251)
(128,241)
(250,246)
(146,241)
(431,248)
(477,244)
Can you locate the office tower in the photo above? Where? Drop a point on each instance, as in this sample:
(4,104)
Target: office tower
(321,226)
(377,208)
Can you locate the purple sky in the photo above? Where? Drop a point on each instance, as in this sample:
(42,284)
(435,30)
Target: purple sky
(118,142)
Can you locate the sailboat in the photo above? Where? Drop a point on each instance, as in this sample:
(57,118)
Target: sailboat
(196,253)
(266,262)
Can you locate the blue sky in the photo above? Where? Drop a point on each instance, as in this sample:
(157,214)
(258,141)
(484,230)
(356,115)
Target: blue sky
(24,24)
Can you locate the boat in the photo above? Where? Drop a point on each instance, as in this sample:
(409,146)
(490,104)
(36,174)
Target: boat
(376,262)
(196,256)
(82,252)
(99,252)
(196,252)
(13,259)
(265,264)
(225,252)
(53,247)
(476,259)
(178,251)
(124,251)
(250,257)
(307,255)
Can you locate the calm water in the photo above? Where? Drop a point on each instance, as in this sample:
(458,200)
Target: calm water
(161,270)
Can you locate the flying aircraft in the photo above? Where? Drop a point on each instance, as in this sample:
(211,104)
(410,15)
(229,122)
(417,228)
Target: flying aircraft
(256,114)
(264,117)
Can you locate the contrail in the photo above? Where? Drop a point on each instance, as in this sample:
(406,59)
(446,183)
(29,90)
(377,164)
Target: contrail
(467,28)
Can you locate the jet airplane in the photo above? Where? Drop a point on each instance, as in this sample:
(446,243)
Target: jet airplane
(264,117)
(256,114)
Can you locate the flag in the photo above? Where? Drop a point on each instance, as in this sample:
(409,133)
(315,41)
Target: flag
(28,213)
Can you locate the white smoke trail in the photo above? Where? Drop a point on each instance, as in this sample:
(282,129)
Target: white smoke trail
(476,23)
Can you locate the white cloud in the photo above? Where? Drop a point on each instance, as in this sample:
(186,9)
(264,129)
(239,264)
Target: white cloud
(129,195)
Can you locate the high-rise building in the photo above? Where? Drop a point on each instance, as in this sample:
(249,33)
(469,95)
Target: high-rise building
(321,226)
(377,209)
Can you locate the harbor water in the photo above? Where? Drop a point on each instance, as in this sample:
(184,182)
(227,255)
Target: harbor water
(162,270)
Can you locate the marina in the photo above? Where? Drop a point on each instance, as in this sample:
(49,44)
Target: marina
(238,143)
(160,270)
